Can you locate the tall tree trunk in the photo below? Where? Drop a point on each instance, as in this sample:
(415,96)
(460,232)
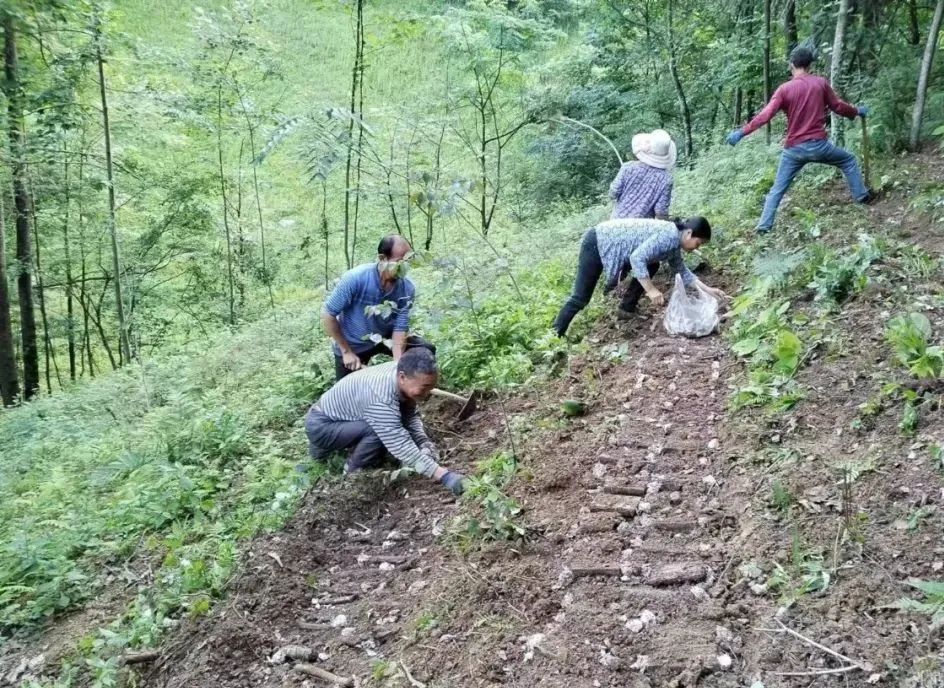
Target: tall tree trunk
(680,91)
(255,187)
(738,105)
(324,228)
(123,338)
(350,232)
(355,85)
(240,237)
(67,252)
(926,62)
(24,257)
(9,378)
(767,63)
(835,66)
(790,31)
(914,30)
(80,207)
(361,41)
(226,229)
(49,354)
(409,190)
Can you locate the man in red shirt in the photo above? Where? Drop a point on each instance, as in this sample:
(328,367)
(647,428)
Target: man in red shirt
(805,99)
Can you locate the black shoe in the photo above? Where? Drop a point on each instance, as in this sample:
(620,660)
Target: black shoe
(626,314)
(869,198)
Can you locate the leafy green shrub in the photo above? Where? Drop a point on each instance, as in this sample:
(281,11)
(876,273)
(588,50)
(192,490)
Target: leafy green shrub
(909,336)
(490,514)
(497,341)
(162,456)
(837,276)
(773,351)
(804,573)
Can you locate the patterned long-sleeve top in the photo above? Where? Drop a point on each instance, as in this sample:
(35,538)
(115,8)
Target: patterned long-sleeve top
(640,242)
(641,190)
(373,396)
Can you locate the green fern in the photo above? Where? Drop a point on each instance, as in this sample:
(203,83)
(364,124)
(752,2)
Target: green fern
(932,605)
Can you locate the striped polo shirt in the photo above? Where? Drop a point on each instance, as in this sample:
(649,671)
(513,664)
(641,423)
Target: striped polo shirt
(373,396)
(367,313)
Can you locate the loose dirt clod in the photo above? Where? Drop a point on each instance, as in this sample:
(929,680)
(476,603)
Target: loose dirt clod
(293,652)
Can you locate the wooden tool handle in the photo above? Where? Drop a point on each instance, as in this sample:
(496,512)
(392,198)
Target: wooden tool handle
(448,395)
(866,166)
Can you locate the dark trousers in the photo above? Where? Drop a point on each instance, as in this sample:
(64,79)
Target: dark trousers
(326,436)
(589,269)
(412,342)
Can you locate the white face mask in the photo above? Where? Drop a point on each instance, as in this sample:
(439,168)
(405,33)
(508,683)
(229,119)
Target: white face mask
(398,269)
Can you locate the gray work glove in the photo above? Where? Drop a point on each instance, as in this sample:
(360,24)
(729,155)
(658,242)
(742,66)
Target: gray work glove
(454,481)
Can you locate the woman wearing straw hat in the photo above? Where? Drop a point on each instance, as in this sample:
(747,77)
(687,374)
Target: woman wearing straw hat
(644,188)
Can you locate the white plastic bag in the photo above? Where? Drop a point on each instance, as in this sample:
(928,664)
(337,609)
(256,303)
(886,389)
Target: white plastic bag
(691,315)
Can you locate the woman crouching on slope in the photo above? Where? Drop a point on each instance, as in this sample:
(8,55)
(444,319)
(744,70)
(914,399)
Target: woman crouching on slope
(641,244)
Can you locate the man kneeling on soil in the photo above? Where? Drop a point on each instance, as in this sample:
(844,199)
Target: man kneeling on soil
(373,411)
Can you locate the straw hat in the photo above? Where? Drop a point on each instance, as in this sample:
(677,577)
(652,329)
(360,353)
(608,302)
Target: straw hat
(655,148)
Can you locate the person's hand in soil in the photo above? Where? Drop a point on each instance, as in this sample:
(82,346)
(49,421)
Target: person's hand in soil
(455,481)
(712,291)
(656,297)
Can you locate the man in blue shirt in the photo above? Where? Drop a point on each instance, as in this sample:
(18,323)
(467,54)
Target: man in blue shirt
(371,303)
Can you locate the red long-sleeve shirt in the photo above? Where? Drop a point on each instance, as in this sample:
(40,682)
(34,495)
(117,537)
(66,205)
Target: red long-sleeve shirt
(804,99)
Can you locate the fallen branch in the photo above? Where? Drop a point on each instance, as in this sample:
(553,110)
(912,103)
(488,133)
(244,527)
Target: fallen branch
(584,572)
(409,677)
(864,666)
(388,559)
(323,674)
(140,657)
(314,626)
(569,120)
(626,509)
(340,599)
(631,490)
(815,672)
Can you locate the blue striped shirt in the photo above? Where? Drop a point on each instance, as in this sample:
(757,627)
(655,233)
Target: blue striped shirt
(373,396)
(367,313)
(640,242)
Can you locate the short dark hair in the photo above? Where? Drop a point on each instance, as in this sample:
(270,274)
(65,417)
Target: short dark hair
(699,226)
(801,57)
(385,247)
(417,361)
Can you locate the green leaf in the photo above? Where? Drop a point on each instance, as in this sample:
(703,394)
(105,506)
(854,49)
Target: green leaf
(745,347)
(787,351)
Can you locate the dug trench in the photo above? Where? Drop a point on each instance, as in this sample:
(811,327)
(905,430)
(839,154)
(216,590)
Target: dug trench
(653,557)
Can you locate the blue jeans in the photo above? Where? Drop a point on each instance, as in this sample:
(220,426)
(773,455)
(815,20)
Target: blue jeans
(793,159)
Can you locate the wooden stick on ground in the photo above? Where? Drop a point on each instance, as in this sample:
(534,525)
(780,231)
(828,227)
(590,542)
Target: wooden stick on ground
(409,677)
(587,571)
(815,672)
(140,657)
(864,666)
(323,674)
